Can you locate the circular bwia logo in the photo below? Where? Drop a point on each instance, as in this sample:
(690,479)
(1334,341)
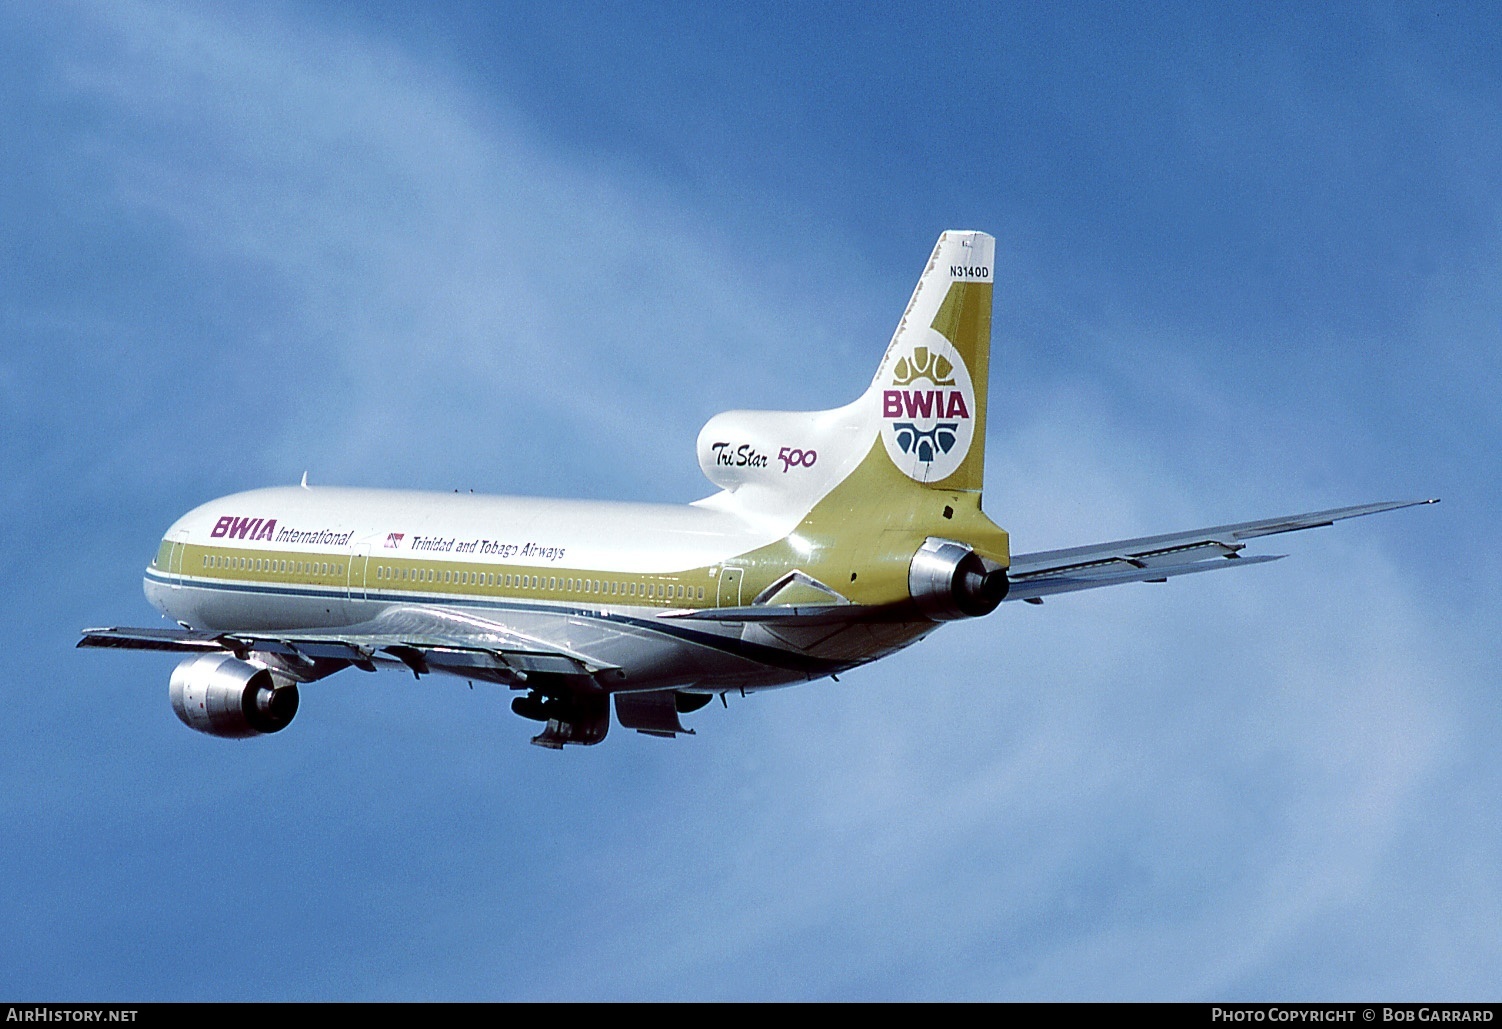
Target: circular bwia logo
(927,408)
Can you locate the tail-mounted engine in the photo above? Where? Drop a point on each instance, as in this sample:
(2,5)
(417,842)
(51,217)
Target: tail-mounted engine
(224,696)
(948,580)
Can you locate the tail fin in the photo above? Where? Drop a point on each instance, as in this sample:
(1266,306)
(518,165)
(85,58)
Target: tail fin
(927,406)
(931,387)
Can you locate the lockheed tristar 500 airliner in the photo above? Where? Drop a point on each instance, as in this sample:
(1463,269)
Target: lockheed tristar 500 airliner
(836,537)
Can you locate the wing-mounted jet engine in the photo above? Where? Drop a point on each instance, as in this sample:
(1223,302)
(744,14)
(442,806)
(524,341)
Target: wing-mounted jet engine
(223,696)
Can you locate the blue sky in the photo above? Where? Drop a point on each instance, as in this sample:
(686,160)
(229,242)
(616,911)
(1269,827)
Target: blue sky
(1248,264)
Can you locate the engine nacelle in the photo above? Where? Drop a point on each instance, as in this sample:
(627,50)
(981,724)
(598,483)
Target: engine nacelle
(223,696)
(948,580)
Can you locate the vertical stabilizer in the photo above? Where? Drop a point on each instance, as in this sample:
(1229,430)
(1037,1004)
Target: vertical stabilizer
(930,390)
(918,429)
(862,489)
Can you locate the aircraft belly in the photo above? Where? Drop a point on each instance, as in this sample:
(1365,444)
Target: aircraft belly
(639,643)
(654,652)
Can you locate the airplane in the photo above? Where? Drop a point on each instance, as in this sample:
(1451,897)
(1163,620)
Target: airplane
(835,538)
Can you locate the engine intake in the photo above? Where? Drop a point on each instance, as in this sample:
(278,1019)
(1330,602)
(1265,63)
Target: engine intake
(948,581)
(223,696)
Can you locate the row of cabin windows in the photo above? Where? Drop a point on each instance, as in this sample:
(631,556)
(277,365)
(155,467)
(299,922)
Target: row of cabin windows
(266,564)
(610,587)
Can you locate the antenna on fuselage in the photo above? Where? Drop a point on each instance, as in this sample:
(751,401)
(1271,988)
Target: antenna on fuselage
(305,479)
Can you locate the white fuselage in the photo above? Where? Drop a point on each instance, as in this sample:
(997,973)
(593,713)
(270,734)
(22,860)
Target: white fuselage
(608,580)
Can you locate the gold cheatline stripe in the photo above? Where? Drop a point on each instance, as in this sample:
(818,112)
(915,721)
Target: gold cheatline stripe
(337,570)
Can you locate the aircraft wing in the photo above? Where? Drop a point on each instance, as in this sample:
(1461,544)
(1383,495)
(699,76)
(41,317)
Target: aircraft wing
(1155,558)
(424,641)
